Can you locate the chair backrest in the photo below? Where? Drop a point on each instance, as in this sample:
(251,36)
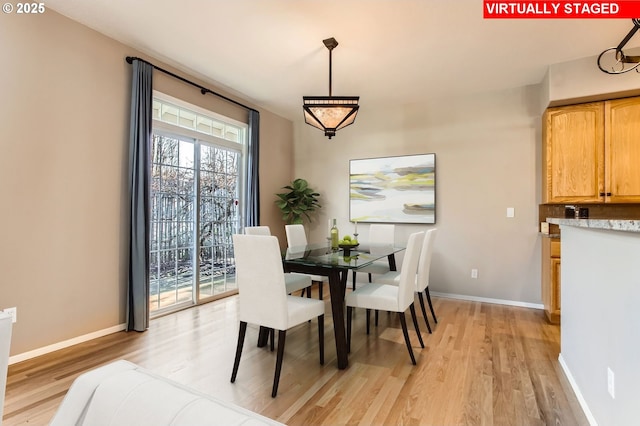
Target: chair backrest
(257,230)
(382,234)
(424,265)
(260,279)
(296,235)
(407,280)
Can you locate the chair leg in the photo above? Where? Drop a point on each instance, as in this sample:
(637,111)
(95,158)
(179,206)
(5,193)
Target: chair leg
(403,321)
(368,312)
(424,312)
(272,334)
(426,290)
(415,324)
(236,363)
(282,334)
(349,312)
(376,317)
(369,277)
(321,338)
(302,292)
(320,288)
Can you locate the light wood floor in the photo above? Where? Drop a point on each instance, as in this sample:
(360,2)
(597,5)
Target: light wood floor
(484,364)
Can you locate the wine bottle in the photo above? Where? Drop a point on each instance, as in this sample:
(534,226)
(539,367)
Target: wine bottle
(334,236)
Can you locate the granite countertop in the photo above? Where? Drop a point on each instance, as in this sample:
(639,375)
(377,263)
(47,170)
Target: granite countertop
(609,224)
(549,235)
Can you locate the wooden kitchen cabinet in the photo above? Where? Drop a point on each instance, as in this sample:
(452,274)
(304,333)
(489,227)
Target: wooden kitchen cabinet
(589,151)
(622,150)
(551,279)
(573,153)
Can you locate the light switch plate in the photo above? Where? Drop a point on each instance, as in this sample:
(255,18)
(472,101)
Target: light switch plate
(13,312)
(511,212)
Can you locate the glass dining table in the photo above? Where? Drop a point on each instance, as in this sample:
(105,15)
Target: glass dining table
(320,259)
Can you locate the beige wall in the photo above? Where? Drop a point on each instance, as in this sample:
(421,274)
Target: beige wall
(582,81)
(487,159)
(63,133)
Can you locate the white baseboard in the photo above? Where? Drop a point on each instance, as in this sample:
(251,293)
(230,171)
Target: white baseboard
(488,300)
(576,390)
(65,344)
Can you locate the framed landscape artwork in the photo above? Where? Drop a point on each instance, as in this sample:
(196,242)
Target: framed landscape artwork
(393,189)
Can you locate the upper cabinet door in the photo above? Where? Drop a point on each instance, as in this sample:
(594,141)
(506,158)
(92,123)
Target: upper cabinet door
(622,150)
(573,153)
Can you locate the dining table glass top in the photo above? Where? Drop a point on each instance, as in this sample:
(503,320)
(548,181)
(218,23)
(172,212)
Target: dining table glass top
(322,255)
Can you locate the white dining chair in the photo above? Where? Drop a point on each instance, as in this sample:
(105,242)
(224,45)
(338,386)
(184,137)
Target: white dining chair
(391,298)
(422,276)
(263,300)
(382,235)
(293,282)
(297,237)
(257,230)
(6,324)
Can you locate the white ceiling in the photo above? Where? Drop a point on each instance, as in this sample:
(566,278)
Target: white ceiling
(390,51)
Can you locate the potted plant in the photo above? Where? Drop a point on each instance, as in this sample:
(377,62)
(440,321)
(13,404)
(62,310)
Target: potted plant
(299,201)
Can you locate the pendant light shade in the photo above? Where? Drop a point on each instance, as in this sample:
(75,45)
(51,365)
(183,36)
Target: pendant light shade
(330,113)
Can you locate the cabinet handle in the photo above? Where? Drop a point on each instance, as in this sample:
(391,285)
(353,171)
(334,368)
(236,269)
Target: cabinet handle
(608,194)
(602,194)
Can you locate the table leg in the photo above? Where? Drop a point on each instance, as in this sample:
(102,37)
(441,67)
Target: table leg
(337,285)
(392,262)
(263,336)
(344,274)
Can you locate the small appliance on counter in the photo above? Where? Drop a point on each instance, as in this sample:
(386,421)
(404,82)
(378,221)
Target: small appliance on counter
(570,212)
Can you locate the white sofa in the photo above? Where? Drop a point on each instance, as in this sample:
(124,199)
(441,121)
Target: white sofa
(5,343)
(122,393)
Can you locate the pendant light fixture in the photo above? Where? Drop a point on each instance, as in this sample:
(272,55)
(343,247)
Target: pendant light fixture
(614,61)
(330,113)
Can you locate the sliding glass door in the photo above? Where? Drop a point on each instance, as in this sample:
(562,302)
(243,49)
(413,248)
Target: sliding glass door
(197,165)
(172,222)
(195,193)
(219,195)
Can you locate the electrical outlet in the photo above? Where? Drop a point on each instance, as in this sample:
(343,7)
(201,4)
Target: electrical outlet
(14,314)
(474,273)
(611,387)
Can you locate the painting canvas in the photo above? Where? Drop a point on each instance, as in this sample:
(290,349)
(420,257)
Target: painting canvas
(393,189)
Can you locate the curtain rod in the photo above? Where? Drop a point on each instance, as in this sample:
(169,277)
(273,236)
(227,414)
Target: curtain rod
(203,90)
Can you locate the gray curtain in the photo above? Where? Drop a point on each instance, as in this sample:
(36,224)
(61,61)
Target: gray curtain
(252,199)
(139,172)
